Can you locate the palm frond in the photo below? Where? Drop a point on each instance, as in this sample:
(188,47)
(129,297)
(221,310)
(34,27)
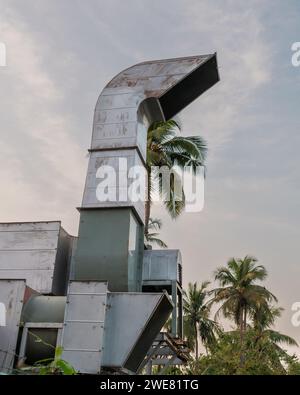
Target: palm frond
(278,337)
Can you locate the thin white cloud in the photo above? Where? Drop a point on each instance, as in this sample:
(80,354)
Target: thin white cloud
(46,163)
(245,58)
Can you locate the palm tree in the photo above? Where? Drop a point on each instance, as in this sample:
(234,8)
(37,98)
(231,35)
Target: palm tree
(263,320)
(264,341)
(239,293)
(165,147)
(196,317)
(155,224)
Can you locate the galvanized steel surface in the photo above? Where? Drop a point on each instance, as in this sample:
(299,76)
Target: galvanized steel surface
(134,99)
(133,320)
(82,337)
(37,252)
(162,265)
(42,308)
(117,115)
(11,296)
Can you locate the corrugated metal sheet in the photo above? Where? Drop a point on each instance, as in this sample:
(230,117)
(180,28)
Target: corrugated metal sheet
(11,296)
(37,252)
(82,337)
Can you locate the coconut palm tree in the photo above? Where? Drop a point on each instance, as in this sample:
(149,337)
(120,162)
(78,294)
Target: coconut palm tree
(165,147)
(268,341)
(196,317)
(264,318)
(151,238)
(265,342)
(239,293)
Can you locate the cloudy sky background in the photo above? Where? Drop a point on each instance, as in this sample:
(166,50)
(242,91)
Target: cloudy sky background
(61,53)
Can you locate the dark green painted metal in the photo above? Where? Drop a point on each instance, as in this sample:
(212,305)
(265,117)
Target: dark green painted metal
(110,248)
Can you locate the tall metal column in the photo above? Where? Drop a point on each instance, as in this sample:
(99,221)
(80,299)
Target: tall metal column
(110,241)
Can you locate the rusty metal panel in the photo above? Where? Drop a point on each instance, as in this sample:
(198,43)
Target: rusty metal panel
(112,135)
(11,299)
(164,70)
(161,67)
(37,252)
(82,337)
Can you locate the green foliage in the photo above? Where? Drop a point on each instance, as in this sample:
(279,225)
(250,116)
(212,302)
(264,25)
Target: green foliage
(166,147)
(255,347)
(56,365)
(260,358)
(49,366)
(196,317)
(293,368)
(239,293)
(154,224)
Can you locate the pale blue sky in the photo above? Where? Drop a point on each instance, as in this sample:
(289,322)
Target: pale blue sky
(60,54)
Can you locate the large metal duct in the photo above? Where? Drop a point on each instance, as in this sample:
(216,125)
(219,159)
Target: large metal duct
(37,252)
(41,338)
(100,329)
(109,253)
(110,243)
(12,295)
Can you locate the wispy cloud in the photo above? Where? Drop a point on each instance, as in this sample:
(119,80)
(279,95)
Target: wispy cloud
(245,58)
(59,56)
(41,158)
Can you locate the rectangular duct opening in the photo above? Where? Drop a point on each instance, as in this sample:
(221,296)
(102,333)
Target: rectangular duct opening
(190,87)
(149,333)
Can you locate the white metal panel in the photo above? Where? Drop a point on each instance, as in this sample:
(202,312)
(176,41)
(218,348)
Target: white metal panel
(29,251)
(82,337)
(29,226)
(27,260)
(111,158)
(11,296)
(28,240)
(112,115)
(107,101)
(38,280)
(112,135)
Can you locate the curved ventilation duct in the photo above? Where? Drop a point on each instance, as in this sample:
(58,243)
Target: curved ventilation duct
(110,244)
